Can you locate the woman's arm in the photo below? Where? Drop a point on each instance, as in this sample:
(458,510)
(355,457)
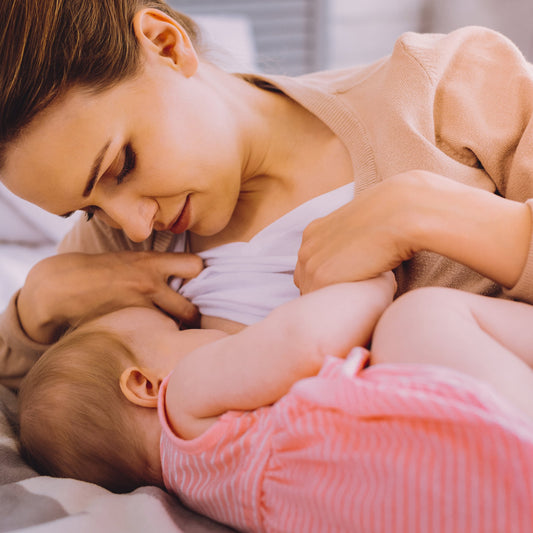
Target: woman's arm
(259,365)
(64,289)
(482,230)
(470,95)
(410,212)
(98,269)
(18,353)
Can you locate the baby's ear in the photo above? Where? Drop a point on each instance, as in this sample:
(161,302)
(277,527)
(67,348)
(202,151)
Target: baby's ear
(140,386)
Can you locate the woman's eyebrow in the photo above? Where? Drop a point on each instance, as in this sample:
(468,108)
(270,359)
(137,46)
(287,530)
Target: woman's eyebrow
(95,170)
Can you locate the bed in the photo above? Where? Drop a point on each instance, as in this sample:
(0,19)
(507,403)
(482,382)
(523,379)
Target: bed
(28,501)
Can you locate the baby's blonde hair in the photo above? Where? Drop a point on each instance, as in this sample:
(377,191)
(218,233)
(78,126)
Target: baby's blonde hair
(74,420)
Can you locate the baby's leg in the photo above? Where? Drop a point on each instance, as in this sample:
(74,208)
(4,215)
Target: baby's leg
(488,338)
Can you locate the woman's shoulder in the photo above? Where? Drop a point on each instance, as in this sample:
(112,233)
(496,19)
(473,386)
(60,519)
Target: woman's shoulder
(456,52)
(475,36)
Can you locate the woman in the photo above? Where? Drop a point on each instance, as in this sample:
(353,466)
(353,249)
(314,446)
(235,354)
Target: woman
(111,109)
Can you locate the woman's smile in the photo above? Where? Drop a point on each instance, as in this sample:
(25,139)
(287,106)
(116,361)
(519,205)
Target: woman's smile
(183,220)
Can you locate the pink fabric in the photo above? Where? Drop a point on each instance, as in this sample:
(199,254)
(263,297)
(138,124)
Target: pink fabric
(389,448)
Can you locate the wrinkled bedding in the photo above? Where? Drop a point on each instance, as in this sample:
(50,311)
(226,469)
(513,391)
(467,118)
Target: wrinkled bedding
(29,502)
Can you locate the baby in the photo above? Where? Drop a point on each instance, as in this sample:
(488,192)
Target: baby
(229,424)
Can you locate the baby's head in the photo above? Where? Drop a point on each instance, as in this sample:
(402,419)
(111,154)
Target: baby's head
(87,408)
(74,419)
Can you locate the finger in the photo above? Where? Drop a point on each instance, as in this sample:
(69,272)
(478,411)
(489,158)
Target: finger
(301,270)
(181,265)
(297,276)
(301,278)
(177,306)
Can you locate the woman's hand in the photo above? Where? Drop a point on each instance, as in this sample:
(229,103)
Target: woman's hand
(367,236)
(67,288)
(413,211)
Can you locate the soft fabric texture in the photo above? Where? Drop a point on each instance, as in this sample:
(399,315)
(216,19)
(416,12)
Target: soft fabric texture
(244,281)
(386,449)
(29,502)
(457,104)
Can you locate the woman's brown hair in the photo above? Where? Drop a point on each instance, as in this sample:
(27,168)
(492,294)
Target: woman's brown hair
(48,46)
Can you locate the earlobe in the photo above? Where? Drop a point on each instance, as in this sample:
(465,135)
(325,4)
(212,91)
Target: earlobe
(140,386)
(161,37)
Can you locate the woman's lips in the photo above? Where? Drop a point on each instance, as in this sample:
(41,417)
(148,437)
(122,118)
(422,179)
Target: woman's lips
(184,218)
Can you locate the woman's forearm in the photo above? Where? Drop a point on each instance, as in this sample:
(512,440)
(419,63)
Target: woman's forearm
(35,308)
(479,229)
(389,223)
(17,352)
(69,288)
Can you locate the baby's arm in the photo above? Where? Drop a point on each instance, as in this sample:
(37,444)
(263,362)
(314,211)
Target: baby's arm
(258,365)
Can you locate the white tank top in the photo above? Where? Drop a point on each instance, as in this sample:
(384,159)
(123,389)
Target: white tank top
(244,281)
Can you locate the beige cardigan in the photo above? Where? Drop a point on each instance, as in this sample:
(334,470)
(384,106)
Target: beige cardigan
(459,105)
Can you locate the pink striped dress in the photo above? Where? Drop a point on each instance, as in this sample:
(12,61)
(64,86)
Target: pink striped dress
(388,448)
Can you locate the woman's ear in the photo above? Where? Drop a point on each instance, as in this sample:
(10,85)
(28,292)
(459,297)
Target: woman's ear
(140,386)
(161,37)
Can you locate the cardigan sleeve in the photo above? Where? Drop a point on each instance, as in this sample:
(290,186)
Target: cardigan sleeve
(17,351)
(483,113)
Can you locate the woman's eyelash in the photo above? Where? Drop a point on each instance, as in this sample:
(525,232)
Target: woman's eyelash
(89,212)
(129,163)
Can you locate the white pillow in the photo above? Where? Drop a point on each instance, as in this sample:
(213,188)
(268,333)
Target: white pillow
(25,223)
(15,263)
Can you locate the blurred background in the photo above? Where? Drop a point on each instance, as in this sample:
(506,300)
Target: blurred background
(362,30)
(297,36)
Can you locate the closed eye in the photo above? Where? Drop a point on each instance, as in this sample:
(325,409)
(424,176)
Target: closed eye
(89,212)
(129,163)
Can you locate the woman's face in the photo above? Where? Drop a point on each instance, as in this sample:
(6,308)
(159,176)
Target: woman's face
(160,151)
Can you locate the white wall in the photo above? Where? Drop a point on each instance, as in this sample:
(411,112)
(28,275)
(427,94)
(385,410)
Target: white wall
(513,18)
(364,30)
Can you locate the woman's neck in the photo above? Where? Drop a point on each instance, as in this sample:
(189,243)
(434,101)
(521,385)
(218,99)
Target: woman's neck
(289,157)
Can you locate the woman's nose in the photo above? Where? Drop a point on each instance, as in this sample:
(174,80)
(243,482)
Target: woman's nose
(135,218)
